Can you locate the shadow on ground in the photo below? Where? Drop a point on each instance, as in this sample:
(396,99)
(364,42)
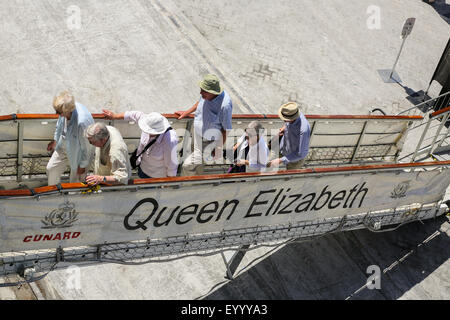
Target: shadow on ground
(442,8)
(334,267)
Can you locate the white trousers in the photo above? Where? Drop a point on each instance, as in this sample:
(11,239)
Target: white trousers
(56,167)
(194,163)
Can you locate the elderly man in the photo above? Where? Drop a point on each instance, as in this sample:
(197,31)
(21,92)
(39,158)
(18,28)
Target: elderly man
(212,121)
(111,162)
(252,150)
(157,150)
(69,144)
(295,134)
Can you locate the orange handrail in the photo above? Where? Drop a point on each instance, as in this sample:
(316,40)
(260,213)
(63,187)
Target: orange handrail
(68,186)
(30,116)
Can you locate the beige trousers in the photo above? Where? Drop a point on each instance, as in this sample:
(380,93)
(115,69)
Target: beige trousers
(56,167)
(193,165)
(295,165)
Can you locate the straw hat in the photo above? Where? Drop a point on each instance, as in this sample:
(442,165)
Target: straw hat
(289,111)
(210,83)
(153,123)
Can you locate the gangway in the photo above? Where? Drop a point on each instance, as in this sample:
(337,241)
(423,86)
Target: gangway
(353,179)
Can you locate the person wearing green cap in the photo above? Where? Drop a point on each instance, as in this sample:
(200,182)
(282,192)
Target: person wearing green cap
(212,121)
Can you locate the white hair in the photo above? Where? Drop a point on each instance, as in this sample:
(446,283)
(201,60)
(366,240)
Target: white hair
(97,131)
(64,103)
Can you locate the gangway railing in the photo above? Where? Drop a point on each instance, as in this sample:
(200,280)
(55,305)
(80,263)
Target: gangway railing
(425,106)
(428,138)
(335,140)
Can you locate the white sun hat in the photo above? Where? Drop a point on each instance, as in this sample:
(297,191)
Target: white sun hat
(153,123)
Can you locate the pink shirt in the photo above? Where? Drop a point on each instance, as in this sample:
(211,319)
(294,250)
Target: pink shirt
(160,160)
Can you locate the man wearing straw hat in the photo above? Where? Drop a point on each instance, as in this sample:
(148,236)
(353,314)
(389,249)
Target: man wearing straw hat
(212,121)
(157,150)
(294,144)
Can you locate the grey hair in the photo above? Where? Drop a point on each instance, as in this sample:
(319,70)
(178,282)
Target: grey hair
(256,127)
(97,131)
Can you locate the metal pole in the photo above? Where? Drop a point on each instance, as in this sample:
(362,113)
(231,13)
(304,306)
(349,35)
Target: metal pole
(396,60)
(19,150)
(421,139)
(359,141)
(443,121)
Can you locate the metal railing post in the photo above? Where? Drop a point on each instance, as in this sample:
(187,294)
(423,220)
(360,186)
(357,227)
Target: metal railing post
(444,119)
(19,150)
(421,140)
(359,141)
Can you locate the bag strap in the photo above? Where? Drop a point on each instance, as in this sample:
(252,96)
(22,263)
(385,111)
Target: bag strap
(152,142)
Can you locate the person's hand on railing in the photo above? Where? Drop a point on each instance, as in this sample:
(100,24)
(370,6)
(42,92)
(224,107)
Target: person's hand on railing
(181,114)
(274,163)
(184,114)
(94,179)
(108,114)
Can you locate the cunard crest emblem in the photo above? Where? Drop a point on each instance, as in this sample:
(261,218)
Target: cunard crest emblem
(400,190)
(62,217)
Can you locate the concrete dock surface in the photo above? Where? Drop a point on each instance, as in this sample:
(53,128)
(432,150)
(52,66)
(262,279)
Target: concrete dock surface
(148,55)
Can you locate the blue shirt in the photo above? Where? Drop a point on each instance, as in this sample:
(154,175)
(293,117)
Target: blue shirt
(213,116)
(294,144)
(78,149)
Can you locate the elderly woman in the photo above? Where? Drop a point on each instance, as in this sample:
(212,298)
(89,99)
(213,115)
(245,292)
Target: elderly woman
(111,162)
(69,145)
(157,150)
(252,150)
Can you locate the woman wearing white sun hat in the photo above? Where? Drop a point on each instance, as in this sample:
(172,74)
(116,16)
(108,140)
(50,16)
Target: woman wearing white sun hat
(159,160)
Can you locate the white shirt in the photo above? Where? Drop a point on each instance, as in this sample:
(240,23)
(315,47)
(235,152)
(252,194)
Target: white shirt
(257,154)
(160,160)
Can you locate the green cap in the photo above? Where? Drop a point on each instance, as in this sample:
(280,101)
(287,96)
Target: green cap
(210,83)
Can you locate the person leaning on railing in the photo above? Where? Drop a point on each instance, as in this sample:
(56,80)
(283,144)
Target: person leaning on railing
(69,144)
(296,132)
(212,122)
(111,162)
(160,159)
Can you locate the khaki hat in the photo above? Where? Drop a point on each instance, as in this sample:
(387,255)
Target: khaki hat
(153,123)
(289,111)
(210,83)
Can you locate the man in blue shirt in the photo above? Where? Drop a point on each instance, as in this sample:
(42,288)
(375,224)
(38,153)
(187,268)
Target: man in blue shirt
(70,146)
(295,134)
(212,121)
